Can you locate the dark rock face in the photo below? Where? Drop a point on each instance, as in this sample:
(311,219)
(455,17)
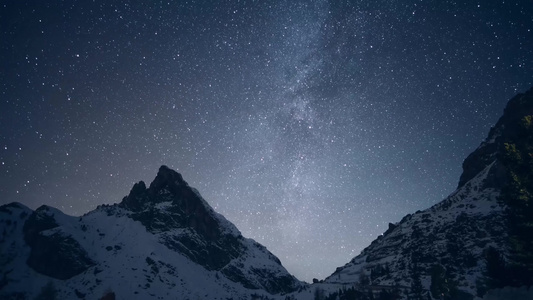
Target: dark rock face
(187,209)
(53,254)
(203,241)
(477,161)
(167,177)
(505,129)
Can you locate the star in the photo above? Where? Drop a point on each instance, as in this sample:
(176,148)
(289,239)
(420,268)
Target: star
(309,124)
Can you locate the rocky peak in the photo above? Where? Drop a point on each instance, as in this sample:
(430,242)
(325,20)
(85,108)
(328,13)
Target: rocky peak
(507,128)
(184,222)
(138,189)
(167,177)
(167,181)
(170,203)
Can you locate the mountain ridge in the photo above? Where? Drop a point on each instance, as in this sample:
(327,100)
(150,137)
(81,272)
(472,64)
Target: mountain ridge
(165,241)
(156,229)
(463,247)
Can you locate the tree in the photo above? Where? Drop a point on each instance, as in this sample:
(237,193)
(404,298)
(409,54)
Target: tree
(318,294)
(495,268)
(417,290)
(364,279)
(439,284)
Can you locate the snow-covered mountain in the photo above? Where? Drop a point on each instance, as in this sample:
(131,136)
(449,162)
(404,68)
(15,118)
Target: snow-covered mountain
(161,242)
(467,244)
(449,238)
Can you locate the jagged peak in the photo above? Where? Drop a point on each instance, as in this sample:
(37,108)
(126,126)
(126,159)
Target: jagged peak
(172,198)
(167,177)
(137,189)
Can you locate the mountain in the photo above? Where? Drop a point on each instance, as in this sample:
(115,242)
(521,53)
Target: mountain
(476,241)
(165,242)
(160,242)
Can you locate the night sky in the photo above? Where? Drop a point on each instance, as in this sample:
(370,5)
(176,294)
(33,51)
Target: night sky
(309,124)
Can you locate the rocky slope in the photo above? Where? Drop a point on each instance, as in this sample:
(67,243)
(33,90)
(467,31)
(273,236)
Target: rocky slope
(449,238)
(454,249)
(160,242)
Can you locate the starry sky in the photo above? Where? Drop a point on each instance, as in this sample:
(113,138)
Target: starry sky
(309,124)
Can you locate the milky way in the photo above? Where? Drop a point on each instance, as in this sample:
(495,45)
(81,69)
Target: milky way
(309,124)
